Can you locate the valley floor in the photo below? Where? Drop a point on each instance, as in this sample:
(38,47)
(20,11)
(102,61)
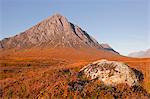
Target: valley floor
(27,74)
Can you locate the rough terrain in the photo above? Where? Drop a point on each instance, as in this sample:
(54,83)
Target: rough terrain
(45,61)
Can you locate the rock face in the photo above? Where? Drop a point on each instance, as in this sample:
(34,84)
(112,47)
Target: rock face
(111,73)
(141,54)
(55,31)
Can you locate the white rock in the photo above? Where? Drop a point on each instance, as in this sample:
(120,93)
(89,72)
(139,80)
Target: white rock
(111,72)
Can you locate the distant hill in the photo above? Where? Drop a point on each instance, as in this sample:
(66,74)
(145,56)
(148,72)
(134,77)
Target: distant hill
(141,54)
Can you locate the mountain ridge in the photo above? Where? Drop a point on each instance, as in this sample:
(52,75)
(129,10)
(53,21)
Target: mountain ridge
(141,54)
(55,31)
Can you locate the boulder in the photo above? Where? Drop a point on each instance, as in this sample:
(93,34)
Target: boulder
(111,73)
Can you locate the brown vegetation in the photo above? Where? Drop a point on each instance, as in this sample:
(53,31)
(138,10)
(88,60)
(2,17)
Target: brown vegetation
(45,73)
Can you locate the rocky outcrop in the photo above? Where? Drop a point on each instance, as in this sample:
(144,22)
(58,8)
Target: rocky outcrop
(112,73)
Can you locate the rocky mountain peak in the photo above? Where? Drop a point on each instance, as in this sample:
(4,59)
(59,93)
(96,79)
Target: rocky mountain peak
(55,31)
(60,20)
(58,15)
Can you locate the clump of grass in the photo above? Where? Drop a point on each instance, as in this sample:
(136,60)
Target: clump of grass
(22,90)
(3,76)
(65,72)
(10,93)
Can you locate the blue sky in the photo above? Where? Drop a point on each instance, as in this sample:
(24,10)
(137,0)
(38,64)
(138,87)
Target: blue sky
(123,24)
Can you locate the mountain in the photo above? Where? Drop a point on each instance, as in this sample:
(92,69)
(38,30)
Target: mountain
(54,32)
(45,61)
(141,54)
(107,47)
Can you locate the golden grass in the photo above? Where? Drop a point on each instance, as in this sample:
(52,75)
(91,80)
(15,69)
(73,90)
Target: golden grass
(34,72)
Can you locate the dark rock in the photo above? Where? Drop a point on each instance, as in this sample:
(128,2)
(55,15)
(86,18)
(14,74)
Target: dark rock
(77,85)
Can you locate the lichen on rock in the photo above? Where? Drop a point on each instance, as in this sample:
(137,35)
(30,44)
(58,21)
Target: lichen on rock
(111,73)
